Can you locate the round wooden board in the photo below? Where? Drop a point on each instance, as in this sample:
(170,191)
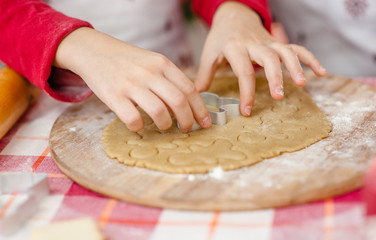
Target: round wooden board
(328,168)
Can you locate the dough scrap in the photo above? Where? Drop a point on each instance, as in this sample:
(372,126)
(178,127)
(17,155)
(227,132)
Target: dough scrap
(273,128)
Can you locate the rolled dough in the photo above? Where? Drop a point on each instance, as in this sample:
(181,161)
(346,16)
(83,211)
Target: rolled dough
(273,128)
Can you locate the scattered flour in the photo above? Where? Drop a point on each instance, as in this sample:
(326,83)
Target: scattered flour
(216,173)
(191,177)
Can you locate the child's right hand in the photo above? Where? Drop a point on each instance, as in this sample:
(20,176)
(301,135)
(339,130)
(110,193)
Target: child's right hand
(124,76)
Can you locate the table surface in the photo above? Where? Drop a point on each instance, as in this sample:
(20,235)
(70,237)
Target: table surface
(25,149)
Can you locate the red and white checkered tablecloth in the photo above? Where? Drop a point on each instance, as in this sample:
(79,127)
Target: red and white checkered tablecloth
(25,149)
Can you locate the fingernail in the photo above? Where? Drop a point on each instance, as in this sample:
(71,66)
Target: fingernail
(322,69)
(300,77)
(206,122)
(248,110)
(185,130)
(279,91)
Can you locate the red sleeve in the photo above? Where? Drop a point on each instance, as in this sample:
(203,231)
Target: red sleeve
(206,9)
(30,32)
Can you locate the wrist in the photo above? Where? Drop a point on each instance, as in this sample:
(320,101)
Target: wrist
(231,9)
(72,49)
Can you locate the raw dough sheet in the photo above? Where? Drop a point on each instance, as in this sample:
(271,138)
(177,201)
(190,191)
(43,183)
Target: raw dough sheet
(273,128)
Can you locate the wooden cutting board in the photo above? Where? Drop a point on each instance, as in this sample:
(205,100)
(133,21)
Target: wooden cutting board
(328,168)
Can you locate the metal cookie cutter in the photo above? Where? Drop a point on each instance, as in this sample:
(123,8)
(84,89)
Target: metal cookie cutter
(227,107)
(29,189)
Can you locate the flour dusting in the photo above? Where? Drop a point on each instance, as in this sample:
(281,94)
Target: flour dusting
(216,173)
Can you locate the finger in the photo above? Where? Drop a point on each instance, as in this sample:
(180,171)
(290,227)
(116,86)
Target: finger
(309,60)
(128,113)
(176,101)
(206,70)
(269,59)
(291,61)
(153,106)
(241,65)
(187,88)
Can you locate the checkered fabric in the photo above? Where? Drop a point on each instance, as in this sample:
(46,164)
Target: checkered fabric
(25,149)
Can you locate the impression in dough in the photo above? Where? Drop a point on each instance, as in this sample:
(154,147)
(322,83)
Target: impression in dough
(273,128)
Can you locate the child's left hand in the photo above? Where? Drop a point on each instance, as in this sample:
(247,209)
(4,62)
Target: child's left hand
(238,36)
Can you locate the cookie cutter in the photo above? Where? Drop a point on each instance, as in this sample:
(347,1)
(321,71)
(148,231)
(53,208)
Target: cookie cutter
(29,189)
(227,107)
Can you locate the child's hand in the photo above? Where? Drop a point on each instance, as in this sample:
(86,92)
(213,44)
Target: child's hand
(279,33)
(124,76)
(238,36)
